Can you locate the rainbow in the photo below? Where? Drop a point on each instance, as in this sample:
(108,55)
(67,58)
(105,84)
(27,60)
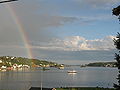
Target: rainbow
(21,30)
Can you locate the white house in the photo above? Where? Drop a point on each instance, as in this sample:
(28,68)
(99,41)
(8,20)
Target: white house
(3,67)
(0,61)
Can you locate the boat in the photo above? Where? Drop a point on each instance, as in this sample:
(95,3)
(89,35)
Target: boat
(73,71)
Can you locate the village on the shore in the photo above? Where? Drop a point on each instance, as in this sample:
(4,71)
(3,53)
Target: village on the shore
(18,63)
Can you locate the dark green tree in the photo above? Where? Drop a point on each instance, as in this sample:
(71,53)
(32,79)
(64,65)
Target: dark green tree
(117,58)
(116,11)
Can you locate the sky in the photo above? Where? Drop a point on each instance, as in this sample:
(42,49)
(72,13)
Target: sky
(64,31)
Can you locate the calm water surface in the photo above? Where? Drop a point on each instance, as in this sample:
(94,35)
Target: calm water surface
(88,76)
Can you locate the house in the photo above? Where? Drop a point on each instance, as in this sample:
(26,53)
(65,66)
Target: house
(0,61)
(12,57)
(7,57)
(26,66)
(61,67)
(15,66)
(108,65)
(3,67)
(19,66)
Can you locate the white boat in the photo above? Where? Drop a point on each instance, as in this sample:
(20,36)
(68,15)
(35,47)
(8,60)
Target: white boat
(73,71)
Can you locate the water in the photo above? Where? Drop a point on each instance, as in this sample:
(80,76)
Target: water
(88,76)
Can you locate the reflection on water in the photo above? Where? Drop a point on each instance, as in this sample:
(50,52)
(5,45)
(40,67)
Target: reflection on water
(23,80)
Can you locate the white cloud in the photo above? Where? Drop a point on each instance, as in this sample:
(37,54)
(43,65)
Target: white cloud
(102,44)
(77,43)
(73,43)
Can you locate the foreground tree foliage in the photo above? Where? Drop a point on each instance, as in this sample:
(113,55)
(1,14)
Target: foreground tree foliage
(116,11)
(117,58)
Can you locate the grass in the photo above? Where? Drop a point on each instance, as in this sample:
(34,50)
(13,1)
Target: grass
(80,88)
(85,88)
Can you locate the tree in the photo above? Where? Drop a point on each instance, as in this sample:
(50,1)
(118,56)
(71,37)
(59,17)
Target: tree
(116,11)
(117,58)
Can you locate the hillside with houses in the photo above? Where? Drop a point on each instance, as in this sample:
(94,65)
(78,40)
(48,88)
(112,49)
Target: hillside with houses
(11,62)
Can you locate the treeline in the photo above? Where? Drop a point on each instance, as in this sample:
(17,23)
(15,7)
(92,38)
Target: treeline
(102,64)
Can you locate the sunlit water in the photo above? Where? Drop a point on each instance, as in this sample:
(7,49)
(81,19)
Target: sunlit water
(88,76)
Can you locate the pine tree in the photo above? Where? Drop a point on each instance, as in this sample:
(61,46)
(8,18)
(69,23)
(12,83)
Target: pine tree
(117,58)
(116,11)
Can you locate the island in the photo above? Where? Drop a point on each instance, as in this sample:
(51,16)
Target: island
(100,64)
